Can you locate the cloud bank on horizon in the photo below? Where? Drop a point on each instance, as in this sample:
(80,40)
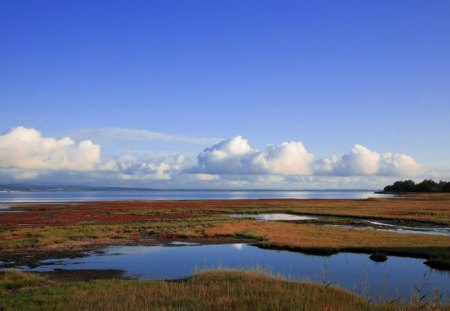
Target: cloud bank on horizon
(236,156)
(25,154)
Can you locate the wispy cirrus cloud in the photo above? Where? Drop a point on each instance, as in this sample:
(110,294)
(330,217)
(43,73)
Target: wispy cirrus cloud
(129,134)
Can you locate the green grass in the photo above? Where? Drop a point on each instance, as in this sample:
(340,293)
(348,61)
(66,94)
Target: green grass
(216,290)
(14,279)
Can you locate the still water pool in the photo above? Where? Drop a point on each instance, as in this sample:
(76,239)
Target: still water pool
(275,216)
(398,276)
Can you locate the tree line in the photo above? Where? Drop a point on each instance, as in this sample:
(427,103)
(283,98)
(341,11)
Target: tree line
(427,185)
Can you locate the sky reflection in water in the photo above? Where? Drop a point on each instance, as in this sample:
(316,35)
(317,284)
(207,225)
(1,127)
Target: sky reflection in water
(353,271)
(67,196)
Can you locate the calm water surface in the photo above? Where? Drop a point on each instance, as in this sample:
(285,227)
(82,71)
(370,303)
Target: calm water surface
(275,216)
(4,207)
(355,272)
(61,196)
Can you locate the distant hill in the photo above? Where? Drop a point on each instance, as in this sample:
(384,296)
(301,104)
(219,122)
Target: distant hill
(427,185)
(36,188)
(20,187)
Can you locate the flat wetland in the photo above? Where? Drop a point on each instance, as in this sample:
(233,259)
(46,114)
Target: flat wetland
(34,236)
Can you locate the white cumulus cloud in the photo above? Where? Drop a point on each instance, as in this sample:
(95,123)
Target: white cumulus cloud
(226,157)
(26,155)
(397,164)
(288,158)
(363,161)
(131,168)
(359,161)
(236,156)
(26,148)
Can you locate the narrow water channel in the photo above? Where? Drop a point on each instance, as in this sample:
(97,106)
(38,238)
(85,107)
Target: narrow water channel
(365,224)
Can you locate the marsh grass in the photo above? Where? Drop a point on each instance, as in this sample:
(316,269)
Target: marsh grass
(421,209)
(53,235)
(14,279)
(109,223)
(310,237)
(206,290)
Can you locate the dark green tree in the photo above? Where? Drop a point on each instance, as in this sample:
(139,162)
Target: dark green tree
(426,185)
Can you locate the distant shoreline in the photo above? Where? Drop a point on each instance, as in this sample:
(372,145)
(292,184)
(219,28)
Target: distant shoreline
(31,188)
(175,195)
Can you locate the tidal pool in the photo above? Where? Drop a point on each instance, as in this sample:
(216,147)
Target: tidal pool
(398,276)
(275,216)
(5,208)
(373,225)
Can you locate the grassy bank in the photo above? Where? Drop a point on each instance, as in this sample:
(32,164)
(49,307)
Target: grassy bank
(326,238)
(217,290)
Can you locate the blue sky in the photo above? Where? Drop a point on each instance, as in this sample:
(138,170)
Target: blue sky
(328,74)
